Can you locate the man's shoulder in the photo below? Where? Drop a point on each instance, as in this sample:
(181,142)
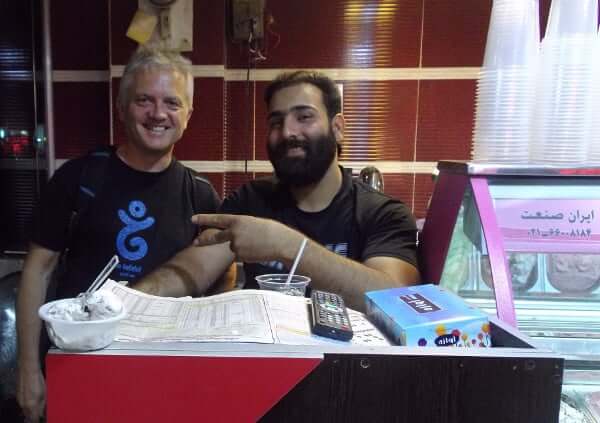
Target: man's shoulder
(99,154)
(369,194)
(264,187)
(371,203)
(254,197)
(197,177)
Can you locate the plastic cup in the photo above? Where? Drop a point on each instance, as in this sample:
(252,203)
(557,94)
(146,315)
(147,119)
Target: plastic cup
(277,282)
(572,17)
(513,34)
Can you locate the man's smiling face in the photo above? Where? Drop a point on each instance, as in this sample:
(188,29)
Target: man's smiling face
(301,143)
(157,110)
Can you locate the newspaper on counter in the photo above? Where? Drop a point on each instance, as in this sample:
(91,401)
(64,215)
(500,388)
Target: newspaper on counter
(248,315)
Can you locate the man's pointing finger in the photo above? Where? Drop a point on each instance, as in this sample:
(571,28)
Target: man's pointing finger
(221,221)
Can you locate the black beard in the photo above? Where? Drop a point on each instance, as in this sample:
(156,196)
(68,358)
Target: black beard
(303,171)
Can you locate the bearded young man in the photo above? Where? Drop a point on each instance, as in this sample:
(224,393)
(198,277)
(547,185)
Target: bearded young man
(359,239)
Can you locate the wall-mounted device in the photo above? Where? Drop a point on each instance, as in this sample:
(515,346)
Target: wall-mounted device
(247,22)
(168,23)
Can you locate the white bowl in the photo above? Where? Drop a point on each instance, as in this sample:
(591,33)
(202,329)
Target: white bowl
(80,335)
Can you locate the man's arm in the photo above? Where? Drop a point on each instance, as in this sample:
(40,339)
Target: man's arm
(253,240)
(192,271)
(37,271)
(349,278)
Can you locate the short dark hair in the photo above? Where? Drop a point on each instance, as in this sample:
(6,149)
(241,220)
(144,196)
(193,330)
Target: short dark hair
(328,88)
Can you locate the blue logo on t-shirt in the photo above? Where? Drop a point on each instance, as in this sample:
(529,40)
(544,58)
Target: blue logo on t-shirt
(135,248)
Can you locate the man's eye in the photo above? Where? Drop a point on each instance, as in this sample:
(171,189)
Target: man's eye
(274,124)
(304,117)
(173,104)
(142,101)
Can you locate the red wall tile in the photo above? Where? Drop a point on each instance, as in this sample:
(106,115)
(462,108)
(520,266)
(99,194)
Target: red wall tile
(454,32)
(380,120)
(203,139)
(81,116)
(245,121)
(79,32)
(446,110)
(338,33)
(209,32)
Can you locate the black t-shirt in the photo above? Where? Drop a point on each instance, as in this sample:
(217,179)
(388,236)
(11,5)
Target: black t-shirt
(144,217)
(359,223)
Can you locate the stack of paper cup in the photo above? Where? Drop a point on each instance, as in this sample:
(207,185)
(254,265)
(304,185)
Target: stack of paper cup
(506,86)
(568,89)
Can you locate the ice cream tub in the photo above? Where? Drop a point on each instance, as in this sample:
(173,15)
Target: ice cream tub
(73,327)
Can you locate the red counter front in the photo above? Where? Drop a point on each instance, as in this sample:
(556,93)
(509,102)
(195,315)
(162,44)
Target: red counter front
(248,382)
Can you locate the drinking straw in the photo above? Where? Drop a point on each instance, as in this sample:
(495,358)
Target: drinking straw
(296,261)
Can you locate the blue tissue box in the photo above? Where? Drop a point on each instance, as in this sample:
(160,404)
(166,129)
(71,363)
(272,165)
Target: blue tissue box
(427,315)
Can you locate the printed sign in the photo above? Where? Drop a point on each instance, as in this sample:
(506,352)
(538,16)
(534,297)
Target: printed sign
(549,225)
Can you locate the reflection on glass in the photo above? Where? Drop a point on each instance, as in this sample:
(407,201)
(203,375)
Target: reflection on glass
(523,270)
(573,273)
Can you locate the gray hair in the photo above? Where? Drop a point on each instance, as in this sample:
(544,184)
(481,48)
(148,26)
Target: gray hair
(152,58)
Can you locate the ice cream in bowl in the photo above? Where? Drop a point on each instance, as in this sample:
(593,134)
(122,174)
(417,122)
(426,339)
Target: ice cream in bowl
(77,326)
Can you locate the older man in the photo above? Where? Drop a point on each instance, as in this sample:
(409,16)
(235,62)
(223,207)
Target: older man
(140,211)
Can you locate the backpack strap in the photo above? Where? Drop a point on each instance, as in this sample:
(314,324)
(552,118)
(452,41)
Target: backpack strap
(90,183)
(196,181)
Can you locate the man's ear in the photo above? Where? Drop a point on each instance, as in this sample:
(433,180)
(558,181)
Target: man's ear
(338,125)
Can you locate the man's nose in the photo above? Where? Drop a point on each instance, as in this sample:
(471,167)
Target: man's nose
(159,111)
(290,127)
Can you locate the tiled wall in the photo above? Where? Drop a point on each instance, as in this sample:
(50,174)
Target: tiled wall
(408,70)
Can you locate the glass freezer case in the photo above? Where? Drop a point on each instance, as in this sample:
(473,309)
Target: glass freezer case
(524,243)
